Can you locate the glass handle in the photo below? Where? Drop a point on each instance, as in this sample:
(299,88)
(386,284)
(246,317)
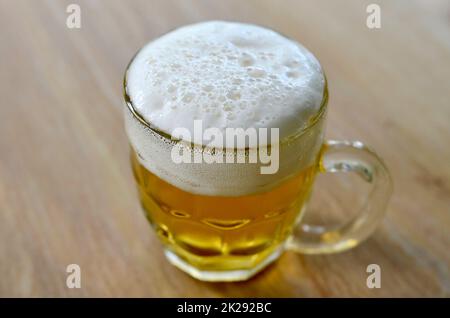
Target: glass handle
(345,156)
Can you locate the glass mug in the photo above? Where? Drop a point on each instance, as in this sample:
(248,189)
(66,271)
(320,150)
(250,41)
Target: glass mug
(231,238)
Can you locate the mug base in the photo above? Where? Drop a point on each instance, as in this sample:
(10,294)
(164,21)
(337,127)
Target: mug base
(220,276)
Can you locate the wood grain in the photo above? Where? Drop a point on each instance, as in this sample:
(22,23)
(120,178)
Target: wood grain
(66,189)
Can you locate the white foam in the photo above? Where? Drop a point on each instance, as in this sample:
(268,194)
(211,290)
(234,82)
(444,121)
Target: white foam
(229,75)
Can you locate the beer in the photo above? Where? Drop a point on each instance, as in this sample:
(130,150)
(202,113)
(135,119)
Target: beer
(221,233)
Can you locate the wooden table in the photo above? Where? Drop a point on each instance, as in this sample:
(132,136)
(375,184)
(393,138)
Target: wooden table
(66,189)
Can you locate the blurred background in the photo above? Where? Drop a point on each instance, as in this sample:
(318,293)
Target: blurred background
(66,189)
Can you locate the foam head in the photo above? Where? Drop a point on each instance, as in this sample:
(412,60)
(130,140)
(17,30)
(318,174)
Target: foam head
(228,75)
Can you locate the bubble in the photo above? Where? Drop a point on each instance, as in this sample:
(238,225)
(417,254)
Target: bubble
(171,88)
(292,74)
(227,107)
(231,116)
(256,72)
(246,60)
(291,63)
(187,98)
(208,88)
(234,95)
(236,81)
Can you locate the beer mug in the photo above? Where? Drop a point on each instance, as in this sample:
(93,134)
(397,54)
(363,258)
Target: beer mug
(226,221)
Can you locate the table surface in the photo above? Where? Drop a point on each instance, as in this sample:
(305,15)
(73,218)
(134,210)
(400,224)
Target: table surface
(66,188)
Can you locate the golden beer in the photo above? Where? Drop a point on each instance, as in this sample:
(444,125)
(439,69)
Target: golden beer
(219,233)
